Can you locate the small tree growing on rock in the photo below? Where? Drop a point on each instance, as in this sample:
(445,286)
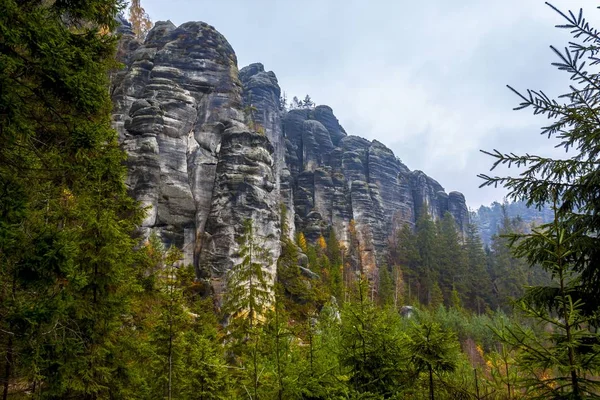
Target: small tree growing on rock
(249,284)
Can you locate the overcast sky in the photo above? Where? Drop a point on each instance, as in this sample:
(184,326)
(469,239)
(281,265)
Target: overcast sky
(426,78)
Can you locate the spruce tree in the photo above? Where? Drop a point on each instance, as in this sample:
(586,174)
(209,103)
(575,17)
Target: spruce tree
(561,359)
(247,299)
(406,256)
(479,285)
(573,125)
(65,231)
(433,350)
(373,347)
(451,261)
(249,283)
(427,270)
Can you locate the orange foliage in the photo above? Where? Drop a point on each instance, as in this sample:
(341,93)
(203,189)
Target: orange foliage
(140,20)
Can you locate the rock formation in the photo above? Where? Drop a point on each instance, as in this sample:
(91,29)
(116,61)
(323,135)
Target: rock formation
(210,147)
(193,162)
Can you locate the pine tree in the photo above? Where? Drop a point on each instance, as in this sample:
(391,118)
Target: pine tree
(406,255)
(508,273)
(427,268)
(479,285)
(171,323)
(336,266)
(295,103)
(451,261)
(307,102)
(559,362)
(373,347)
(386,287)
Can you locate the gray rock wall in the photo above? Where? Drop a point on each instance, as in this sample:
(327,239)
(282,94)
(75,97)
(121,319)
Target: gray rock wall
(192,160)
(183,112)
(338,178)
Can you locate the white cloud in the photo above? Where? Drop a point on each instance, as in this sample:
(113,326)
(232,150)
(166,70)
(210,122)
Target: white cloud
(425,78)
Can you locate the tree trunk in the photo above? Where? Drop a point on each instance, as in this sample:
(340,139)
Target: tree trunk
(431,396)
(7,371)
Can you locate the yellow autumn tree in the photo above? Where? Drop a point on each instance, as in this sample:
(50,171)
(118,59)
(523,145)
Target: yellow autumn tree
(302,242)
(322,243)
(140,20)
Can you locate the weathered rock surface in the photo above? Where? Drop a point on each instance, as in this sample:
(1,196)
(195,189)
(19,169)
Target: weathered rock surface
(192,161)
(210,147)
(244,189)
(261,96)
(338,178)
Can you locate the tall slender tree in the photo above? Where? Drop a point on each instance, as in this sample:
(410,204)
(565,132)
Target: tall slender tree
(249,283)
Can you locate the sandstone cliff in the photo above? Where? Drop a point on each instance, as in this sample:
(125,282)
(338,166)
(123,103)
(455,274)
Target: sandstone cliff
(193,162)
(189,121)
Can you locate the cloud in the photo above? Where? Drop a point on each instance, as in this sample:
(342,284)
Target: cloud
(425,78)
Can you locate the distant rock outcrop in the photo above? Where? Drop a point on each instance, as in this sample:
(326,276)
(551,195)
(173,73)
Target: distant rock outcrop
(210,147)
(489,219)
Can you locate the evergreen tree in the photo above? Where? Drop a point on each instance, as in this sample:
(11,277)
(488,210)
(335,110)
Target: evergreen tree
(434,351)
(508,273)
(248,297)
(427,268)
(479,285)
(307,102)
(451,261)
(249,284)
(386,287)
(406,255)
(283,102)
(574,179)
(568,355)
(336,285)
(353,269)
(66,258)
(172,321)
(373,347)
(295,103)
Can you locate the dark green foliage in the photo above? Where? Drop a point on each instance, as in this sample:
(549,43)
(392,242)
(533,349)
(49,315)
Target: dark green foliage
(567,355)
(478,282)
(386,287)
(568,248)
(374,348)
(66,253)
(426,246)
(508,273)
(451,261)
(249,284)
(433,351)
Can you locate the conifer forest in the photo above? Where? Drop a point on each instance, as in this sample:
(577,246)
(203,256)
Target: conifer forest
(174,227)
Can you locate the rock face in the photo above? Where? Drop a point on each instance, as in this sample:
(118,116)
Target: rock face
(210,147)
(338,178)
(489,219)
(193,162)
